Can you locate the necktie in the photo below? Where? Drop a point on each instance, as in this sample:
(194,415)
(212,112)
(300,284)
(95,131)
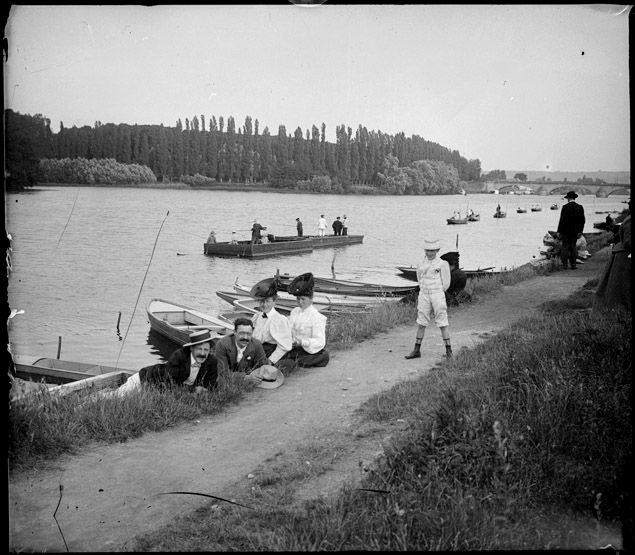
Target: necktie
(264,315)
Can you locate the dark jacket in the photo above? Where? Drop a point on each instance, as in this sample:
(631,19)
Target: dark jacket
(337,226)
(571,220)
(177,369)
(458,279)
(226,352)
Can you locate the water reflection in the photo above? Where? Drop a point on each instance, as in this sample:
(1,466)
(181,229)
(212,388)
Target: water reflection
(160,345)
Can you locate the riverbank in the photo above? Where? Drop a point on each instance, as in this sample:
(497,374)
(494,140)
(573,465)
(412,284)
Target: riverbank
(111,494)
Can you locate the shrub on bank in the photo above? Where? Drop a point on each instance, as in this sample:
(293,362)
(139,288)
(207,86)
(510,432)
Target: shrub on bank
(93,171)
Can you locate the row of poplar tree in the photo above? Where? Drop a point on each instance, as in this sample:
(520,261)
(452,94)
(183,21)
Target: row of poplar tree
(218,150)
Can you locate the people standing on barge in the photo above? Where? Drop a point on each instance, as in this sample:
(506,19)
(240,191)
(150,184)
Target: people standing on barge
(337,226)
(256,230)
(344,225)
(298,226)
(321,226)
(433,275)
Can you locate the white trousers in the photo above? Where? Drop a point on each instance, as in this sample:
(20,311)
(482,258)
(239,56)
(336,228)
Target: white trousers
(431,306)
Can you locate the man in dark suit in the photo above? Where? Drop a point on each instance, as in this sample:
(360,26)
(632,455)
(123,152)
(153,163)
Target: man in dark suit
(193,366)
(570,229)
(337,226)
(240,352)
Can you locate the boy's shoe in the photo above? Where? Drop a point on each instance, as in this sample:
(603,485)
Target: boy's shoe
(413,354)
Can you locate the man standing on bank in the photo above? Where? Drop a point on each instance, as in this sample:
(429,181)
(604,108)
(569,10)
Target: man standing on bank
(433,275)
(570,229)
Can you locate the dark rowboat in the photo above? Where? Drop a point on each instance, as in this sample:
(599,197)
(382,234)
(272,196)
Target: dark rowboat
(277,246)
(319,299)
(474,218)
(346,287)
(55,371)
(521,210)
(536,209)
(553,207)
(177,322)
(456,221)
(410,272)
(500,215)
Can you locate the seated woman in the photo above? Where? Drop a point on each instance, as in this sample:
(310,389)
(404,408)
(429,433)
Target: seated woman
(308,326)
(271,328)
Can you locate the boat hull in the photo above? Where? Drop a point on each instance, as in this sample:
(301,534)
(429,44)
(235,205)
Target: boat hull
(176,322)
(344,287)
(280,246)
(58,372)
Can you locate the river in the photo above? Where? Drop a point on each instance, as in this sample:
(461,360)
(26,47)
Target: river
(82,255)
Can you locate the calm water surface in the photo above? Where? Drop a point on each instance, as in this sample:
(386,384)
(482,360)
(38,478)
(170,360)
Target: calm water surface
(83,255)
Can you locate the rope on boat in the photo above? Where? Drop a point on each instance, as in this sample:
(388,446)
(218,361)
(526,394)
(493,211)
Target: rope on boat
(140,289)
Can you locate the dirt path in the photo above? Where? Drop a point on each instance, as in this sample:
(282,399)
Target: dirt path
(110,493)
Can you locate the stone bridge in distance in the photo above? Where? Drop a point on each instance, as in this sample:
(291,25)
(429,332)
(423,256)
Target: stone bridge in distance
(548,188)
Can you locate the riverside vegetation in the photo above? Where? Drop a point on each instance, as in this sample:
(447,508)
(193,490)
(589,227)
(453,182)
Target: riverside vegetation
(501,442)
(43,427)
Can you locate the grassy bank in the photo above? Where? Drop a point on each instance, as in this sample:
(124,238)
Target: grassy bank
(523,442)
(44,428)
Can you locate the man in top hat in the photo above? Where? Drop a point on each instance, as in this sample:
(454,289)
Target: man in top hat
(193,366)
(271,328)
(298,226)
(433,275)
(308,326)
(458,278)
(569,230)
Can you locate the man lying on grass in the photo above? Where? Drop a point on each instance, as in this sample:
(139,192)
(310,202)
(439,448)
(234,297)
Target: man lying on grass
(193,366)
(241,352)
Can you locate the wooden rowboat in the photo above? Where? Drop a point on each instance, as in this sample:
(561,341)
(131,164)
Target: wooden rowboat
(500,215)
(346,287)
(177,322)
(319,299)
(410,272)
(521,210)
(60,377)
(474,218)
(55,371)
(456,221)
(285,304)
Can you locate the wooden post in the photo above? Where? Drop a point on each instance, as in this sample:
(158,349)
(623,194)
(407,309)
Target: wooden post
(59,346)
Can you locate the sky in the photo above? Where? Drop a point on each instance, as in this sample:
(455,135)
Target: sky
(535,87)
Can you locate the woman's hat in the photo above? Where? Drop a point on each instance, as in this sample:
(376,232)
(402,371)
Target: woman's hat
(571,194)
(200,336)
(264,289)
(451,257)
(302,285)
(270,377)
(433,245)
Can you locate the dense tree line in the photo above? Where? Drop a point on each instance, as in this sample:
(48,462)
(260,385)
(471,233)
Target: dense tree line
(218,149)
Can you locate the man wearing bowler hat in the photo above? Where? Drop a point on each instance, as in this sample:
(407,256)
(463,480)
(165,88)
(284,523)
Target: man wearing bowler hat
(271,328)
(433,275)
(569,230)
(458,278)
